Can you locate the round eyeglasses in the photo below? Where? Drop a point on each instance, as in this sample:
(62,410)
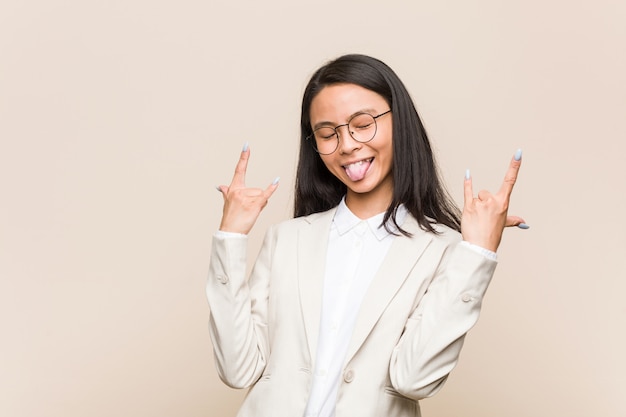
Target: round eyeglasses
(362,127)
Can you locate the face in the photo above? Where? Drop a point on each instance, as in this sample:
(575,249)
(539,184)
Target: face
(365,168)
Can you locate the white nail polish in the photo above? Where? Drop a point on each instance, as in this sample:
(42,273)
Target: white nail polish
(467,174)
(245,147)
(518,155)
(275,180)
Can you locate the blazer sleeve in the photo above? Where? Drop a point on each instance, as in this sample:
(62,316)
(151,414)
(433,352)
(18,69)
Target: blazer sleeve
(430,345)
(238,319)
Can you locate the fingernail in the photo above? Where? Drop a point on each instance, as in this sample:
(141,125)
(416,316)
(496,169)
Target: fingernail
(467,174)
(245,147)
(275,180)
(523,226)
(518,155)
(217,187)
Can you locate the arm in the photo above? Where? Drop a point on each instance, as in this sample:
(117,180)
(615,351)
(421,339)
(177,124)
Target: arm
(433,336)
(238,323)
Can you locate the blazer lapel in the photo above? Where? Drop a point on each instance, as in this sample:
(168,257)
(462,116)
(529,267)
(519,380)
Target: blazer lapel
(312,247)
(394,270)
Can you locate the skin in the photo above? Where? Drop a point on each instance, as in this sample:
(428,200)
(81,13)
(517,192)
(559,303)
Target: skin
(483,218)
(335,105)
(242,205)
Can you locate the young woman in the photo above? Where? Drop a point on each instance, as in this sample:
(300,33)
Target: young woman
(360,304)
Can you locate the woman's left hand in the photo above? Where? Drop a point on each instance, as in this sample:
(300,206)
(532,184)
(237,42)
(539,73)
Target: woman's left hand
(485,217)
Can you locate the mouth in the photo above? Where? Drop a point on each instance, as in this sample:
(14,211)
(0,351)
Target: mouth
(356,171)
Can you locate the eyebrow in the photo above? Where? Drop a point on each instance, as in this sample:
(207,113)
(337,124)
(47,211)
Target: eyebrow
(326,123)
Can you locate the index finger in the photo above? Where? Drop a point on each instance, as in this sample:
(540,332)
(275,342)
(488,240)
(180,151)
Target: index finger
(511,174)
(239,178)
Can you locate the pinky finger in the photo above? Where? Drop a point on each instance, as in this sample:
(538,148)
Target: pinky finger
(272,187)
(468,192)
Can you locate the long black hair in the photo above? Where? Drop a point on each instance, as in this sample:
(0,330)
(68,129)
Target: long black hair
(416,179)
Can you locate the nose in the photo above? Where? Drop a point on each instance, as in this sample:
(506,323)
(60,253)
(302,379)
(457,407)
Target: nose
(347,143)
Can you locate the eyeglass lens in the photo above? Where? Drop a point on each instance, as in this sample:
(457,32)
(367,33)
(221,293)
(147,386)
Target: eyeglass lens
(361,127)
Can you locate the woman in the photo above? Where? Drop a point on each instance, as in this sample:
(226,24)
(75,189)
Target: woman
(360,304)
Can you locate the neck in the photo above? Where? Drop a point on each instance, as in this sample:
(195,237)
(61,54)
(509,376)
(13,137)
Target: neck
(366,205)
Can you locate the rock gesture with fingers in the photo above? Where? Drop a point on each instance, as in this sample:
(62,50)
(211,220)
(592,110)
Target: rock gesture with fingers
(242,205)
(485,216)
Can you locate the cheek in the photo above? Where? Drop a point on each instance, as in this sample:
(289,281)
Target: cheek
(387,152)
(328,163)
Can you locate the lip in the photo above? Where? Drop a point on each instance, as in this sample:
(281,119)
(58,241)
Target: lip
(370,159)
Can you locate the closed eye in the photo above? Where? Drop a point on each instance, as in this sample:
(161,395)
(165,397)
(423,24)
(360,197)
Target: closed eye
(364,126)
(325,133)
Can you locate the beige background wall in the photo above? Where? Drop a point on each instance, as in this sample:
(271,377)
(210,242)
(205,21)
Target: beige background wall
(118,118)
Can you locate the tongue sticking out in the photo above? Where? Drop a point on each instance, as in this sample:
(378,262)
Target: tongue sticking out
(357,171)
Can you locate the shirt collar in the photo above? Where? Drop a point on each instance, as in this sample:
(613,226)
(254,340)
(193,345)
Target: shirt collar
(345,220)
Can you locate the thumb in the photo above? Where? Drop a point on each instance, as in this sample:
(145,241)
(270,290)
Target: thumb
(222,189)
(516,221)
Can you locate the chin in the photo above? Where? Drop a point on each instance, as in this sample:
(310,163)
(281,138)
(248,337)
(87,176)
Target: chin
(361,187)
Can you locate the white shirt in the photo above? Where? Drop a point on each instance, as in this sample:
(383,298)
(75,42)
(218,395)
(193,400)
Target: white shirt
(356,249)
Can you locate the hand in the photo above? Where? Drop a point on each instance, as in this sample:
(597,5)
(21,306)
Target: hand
(485,217)
(242,205)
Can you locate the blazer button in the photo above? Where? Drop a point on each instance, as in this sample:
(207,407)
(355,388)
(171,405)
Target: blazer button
(466,298)
(348,376)
(222,279)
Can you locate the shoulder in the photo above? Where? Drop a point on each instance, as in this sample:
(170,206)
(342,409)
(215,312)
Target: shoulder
(314,223)
(443,234)
(315,219)
(446,234)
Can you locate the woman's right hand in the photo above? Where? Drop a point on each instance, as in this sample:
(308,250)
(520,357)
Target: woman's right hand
(242,205)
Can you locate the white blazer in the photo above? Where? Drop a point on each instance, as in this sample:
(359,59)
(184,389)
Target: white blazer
(409,332)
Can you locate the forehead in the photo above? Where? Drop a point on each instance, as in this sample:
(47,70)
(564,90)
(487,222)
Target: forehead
(337,102)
